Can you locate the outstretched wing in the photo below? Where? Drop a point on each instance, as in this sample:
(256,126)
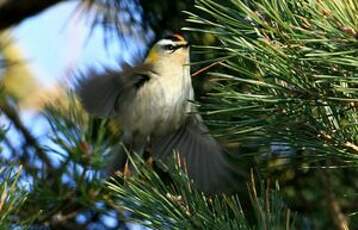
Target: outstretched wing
(104,95)
(205,159)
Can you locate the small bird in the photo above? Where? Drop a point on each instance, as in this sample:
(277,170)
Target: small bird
(153,102)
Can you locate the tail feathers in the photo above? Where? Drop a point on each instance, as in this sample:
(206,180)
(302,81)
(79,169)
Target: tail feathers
(117,159)
(205,159)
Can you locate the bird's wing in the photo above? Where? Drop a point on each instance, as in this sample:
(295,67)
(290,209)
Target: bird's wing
(104,95)
(205,159)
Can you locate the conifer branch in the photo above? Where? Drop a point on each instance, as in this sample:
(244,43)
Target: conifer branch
(30,140)
(334,208)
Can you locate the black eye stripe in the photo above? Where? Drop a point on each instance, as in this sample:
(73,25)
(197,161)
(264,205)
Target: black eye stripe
(170,47)
(174,47)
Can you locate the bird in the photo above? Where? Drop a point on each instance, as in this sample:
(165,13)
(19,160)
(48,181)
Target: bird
(153,102)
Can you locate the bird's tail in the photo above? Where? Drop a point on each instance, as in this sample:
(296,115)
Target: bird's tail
(117,159)
(205,160)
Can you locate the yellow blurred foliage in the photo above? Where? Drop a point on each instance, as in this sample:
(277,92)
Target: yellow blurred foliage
(17,79)
(20,83)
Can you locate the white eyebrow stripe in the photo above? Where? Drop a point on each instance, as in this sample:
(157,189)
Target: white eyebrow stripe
(164,42)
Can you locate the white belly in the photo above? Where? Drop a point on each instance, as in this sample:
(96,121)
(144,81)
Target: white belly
(160,107)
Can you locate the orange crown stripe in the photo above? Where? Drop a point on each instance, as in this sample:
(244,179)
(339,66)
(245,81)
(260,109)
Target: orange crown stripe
(179,37)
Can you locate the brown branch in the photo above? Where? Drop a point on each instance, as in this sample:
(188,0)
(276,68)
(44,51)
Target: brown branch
(351,145)
(205,68)
(14,11)
(346,144)
(12,115)
(339,219)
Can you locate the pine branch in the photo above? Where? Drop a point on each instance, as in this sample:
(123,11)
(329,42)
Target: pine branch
(12,115)
(289,74)
(158,204)
(12,199)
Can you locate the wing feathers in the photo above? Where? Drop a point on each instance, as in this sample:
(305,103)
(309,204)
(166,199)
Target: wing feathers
(99,94)
(204,157)
(105,94)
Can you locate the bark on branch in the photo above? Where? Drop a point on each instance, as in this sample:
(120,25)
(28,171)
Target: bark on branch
(14,11)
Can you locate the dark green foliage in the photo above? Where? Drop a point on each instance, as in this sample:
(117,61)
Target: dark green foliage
(179,205)
(288,80)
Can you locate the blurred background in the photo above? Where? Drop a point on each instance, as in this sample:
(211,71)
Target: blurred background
(46,50)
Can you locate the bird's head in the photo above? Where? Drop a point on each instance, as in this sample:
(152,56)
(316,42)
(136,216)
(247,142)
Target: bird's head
(172,49)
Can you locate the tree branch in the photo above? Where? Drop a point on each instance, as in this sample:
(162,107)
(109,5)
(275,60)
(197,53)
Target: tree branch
(11,114)
(339,219)
(14,11)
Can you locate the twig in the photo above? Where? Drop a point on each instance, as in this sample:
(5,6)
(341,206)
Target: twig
(288,214)
(205,68)
(267,196)
(13,12)
(346,144)
(10,146)
(339,219)
(255,201)
(351,145)
(30,140)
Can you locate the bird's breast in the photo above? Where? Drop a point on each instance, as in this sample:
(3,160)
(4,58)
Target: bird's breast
(160,106)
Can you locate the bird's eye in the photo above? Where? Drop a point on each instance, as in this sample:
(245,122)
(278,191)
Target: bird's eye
(169,47)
